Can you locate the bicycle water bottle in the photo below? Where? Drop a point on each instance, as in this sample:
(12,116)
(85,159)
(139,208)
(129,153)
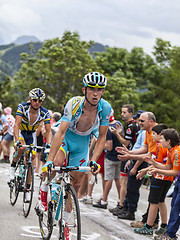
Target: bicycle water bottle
(55,192)
(21,171)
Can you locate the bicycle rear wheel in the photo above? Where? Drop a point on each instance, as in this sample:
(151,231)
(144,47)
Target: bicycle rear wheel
(29,171)
(70,222)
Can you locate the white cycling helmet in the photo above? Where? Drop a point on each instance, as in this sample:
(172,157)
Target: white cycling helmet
(37,93)
(94,79)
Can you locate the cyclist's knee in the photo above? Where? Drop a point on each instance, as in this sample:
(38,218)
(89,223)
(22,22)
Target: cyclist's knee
(76,185)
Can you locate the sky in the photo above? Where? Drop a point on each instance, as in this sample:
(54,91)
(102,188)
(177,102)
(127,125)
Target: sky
(116,23)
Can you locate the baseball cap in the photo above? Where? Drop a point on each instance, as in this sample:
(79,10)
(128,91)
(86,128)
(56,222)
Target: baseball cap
(8,110)
(139,112)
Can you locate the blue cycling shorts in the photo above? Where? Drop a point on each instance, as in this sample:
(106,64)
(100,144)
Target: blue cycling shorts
(78,148)
(28,137)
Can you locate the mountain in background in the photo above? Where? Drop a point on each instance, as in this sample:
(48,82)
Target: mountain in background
(10,54)
(25,39)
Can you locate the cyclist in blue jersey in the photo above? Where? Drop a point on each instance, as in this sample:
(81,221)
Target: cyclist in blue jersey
(82,117)
(29,115)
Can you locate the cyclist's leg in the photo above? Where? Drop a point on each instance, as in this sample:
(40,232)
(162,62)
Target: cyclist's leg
(31,140)
(76,179)
(79,156)
(58,161)
(15,158)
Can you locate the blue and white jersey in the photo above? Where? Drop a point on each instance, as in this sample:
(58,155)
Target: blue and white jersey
(23,110)
(73,111)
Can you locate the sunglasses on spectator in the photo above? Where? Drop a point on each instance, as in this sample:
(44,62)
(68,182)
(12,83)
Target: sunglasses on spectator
(140,120)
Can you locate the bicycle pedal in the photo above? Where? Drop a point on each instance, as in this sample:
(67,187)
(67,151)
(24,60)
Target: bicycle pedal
(10,183)
(37,210)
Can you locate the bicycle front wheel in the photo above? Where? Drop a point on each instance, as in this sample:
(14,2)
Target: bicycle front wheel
(28,192)
(70,222)
(46,222)
(14,190)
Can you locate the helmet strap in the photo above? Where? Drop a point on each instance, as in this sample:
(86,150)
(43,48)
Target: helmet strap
(88,100)
(34,108)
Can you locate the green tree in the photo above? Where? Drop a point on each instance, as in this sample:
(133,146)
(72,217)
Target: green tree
(162,95)
(58,68)
(7,96)
(120,91)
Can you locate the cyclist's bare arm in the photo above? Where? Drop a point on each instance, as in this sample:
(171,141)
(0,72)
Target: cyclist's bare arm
(100,143)
(58,139)
(16,127)
(92,146)
(48,133)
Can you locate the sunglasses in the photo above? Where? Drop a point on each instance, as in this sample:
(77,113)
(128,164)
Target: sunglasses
(94,84)
(140,120)
(35,100)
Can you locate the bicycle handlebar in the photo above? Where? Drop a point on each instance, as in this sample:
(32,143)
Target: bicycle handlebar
(31,146)
(27,146)
(71,168)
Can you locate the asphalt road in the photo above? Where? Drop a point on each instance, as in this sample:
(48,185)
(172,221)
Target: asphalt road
(97,224)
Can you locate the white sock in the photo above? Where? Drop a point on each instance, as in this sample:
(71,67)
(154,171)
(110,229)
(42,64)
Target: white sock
(103,202)
(87,196)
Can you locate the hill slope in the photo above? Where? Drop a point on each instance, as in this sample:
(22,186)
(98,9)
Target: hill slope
(10,54)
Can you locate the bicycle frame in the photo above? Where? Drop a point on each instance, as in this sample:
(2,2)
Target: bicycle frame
(24,178)
(64,177)
(67,203)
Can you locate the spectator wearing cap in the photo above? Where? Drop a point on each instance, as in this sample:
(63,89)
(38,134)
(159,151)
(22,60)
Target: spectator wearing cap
(139,112)
(7,134)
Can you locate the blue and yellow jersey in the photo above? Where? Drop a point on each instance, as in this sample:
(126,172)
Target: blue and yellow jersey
(73,111)
(23,110)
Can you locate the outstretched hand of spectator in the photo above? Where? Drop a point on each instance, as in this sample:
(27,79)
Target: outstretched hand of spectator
(113,130)
(122,150)
(119,129)
(125,155)
(152,170)
(148,159)
(142,173)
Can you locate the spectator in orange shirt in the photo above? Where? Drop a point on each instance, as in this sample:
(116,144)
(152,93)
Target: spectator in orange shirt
(159,187)
(170,139)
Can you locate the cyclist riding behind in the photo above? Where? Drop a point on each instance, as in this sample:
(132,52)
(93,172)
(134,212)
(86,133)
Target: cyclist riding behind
(28,118)
(82,117)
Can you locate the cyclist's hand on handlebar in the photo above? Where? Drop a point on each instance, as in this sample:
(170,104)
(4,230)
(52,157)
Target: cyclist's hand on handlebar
(17,144)
(48,166)
(95,168)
